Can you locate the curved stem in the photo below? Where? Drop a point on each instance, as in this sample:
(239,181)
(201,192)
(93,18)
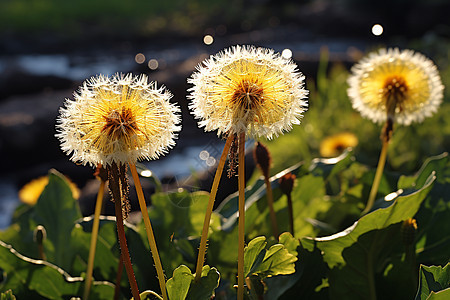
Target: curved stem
(94,235)
(273,216)
(124,249)
(209,209)
(377,179)
(241,224)
(149,230)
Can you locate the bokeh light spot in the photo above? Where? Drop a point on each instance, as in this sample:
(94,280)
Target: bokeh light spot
(377,29)
(287,53)
(153,64)
(208,39)
(139,58)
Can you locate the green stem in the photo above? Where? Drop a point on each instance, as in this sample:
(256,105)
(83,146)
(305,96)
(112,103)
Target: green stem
(273,216)
(241,224)
(378,175)
(149,230)
(209,209)
(94,235)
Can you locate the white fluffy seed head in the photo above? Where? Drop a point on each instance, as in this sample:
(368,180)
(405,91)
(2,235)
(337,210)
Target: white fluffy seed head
(409,77)
(248,89)
(118,119)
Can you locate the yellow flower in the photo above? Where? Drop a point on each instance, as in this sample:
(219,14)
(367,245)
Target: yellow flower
(30,192)
(119,119)
(334,145)
(402,85)
(248,89)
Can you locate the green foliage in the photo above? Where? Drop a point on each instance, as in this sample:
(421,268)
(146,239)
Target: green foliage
(434,282)
(183,286)
(263,261)
(8,295)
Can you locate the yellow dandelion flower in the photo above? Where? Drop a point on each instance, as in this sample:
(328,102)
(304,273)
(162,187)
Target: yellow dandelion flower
(30,192)
(248,89)
(117,119)
(402,85)
(334,145)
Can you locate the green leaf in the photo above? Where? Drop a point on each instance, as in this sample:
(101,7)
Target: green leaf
(183,286)
(204,288)
(8,295)
(37,279)
(178,285)
(356,254)
(441,295)
(289,242)
(252,254)
(433,279)
(258,260)
(176,216)
(57,211)
(404,207)
(307,198)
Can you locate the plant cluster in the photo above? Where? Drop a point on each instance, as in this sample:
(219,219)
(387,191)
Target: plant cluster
(325,228)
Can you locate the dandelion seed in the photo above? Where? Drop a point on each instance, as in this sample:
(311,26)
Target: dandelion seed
(402,85)
(248,89)
(120,119)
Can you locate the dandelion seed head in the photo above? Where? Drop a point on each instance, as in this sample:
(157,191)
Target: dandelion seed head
(117,119)
(402,84)
(248,89)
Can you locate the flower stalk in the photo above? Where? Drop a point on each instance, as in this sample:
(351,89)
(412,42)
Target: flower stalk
(149,231)
(117,185)
(209,209)
(241,224)
(94,236)
(263,160)
(286,186)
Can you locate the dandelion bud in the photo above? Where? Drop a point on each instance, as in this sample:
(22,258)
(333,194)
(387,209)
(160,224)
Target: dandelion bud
(262,158)
(40,234)
(408,230)
(287,183)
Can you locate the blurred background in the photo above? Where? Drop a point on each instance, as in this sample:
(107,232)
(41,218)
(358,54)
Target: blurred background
(48,47)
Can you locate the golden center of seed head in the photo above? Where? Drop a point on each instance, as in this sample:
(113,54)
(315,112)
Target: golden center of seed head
(248,95)
(395,87)
(120,124)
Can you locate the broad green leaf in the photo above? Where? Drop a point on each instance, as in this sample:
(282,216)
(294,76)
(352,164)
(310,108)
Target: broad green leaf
(289,242)
(310,189)
(37,279)
(178,285)
(305,283)
(441,295)
(183,286)
(204,289)
(276,260)
(403,208)
(57,211)
(252,253)
(176,216)
(433,279)
(433,234)
(106,254)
